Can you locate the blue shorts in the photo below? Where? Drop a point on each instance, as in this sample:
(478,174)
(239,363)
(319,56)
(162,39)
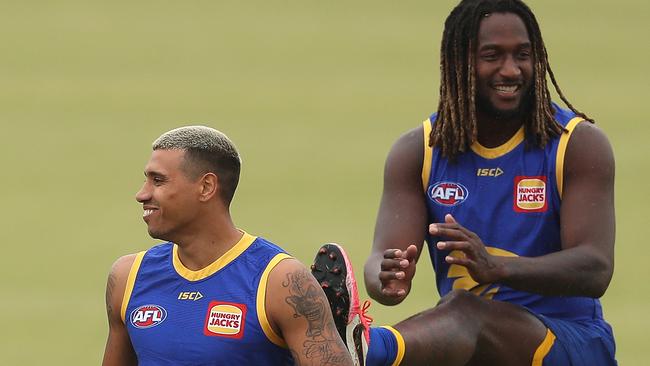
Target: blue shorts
(577,343)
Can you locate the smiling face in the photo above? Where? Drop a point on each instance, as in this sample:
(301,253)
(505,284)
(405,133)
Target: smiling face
(504,66)
(169,198)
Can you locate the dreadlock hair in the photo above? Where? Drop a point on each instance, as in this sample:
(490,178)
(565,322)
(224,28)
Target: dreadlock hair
(456,123)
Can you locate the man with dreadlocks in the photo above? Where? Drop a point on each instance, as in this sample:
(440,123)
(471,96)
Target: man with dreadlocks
(517,196)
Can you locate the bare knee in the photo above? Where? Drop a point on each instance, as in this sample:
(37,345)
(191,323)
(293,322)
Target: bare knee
(460,315)
(446,334)
(461,301)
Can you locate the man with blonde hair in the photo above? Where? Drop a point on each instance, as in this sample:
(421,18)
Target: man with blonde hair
(212,293)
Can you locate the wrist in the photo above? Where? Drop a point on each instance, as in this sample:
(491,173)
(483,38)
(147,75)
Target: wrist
(501,270)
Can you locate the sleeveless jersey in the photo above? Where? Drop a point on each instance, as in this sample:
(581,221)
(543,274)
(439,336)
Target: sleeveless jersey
(510,196)
(214,316)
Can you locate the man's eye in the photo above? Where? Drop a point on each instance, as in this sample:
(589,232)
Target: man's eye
(157,180)
(524,55)
(489,56)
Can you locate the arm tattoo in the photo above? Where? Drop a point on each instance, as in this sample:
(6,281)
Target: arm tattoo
(110,285)
(323,340)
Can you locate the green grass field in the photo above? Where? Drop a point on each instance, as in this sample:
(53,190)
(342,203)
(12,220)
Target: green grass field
(313,93)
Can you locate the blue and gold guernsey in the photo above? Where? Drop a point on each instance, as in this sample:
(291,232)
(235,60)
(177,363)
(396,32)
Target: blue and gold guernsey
(510,196)
(214,316)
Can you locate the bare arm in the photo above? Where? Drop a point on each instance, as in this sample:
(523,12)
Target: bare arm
(119,351)
(401,222)
(585,265)
(298,310)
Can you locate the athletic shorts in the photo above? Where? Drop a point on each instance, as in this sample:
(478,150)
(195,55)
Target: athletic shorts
(576,343)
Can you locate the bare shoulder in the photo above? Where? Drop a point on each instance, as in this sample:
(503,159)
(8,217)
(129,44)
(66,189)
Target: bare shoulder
(409,146)
(589,149)
(405,159)
(291,288)
(280,276)
(412,136)
(289,271)
(121,267)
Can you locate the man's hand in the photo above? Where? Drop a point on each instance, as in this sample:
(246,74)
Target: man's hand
(397,271)
(481,265)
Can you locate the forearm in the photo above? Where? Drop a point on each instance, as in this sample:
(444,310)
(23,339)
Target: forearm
(577,271)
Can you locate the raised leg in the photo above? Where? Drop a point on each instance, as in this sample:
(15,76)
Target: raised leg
(464,329)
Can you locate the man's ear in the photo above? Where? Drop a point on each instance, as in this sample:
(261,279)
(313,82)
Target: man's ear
(209,186)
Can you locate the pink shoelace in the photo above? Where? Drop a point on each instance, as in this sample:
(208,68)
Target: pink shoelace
(365,319)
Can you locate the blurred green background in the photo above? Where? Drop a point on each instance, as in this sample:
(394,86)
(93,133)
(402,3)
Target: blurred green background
(313,93)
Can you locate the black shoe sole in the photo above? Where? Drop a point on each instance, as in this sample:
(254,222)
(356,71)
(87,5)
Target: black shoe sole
(330,271)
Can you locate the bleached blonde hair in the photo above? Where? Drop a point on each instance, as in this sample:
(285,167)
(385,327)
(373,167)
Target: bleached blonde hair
(206,151)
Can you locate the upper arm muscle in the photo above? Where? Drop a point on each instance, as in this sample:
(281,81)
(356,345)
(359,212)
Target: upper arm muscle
(299,310)
(402,216)
(587,213)
(118,345)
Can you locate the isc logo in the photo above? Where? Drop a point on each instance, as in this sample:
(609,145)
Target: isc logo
(147,316)
(194,295)
(484,172)
(448,193)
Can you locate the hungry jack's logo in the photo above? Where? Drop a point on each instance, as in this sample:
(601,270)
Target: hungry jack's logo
(530,194)
(225,319)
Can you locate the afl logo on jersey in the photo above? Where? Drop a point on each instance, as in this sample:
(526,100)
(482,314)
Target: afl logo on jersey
(147,316)
(225,319)
(448,193)
(530,194)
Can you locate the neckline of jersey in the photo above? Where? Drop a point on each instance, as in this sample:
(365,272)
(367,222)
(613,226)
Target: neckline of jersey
(244,242)
(496,152)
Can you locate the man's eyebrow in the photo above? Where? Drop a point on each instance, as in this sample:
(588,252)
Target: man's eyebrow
(153,173)
(495,46)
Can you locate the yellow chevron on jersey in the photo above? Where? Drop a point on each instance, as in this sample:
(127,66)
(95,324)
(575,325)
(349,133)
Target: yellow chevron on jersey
(463,280)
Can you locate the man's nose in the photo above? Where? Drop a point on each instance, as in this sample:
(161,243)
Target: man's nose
(144,194)
(510,68)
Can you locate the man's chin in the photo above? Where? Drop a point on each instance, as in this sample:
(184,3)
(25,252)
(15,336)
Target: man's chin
(156,234)
(507,113)
(495,112)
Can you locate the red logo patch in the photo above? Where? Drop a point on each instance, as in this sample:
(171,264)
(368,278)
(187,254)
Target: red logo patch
(147,316)
(530,194)
(225,319)
(448,193)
